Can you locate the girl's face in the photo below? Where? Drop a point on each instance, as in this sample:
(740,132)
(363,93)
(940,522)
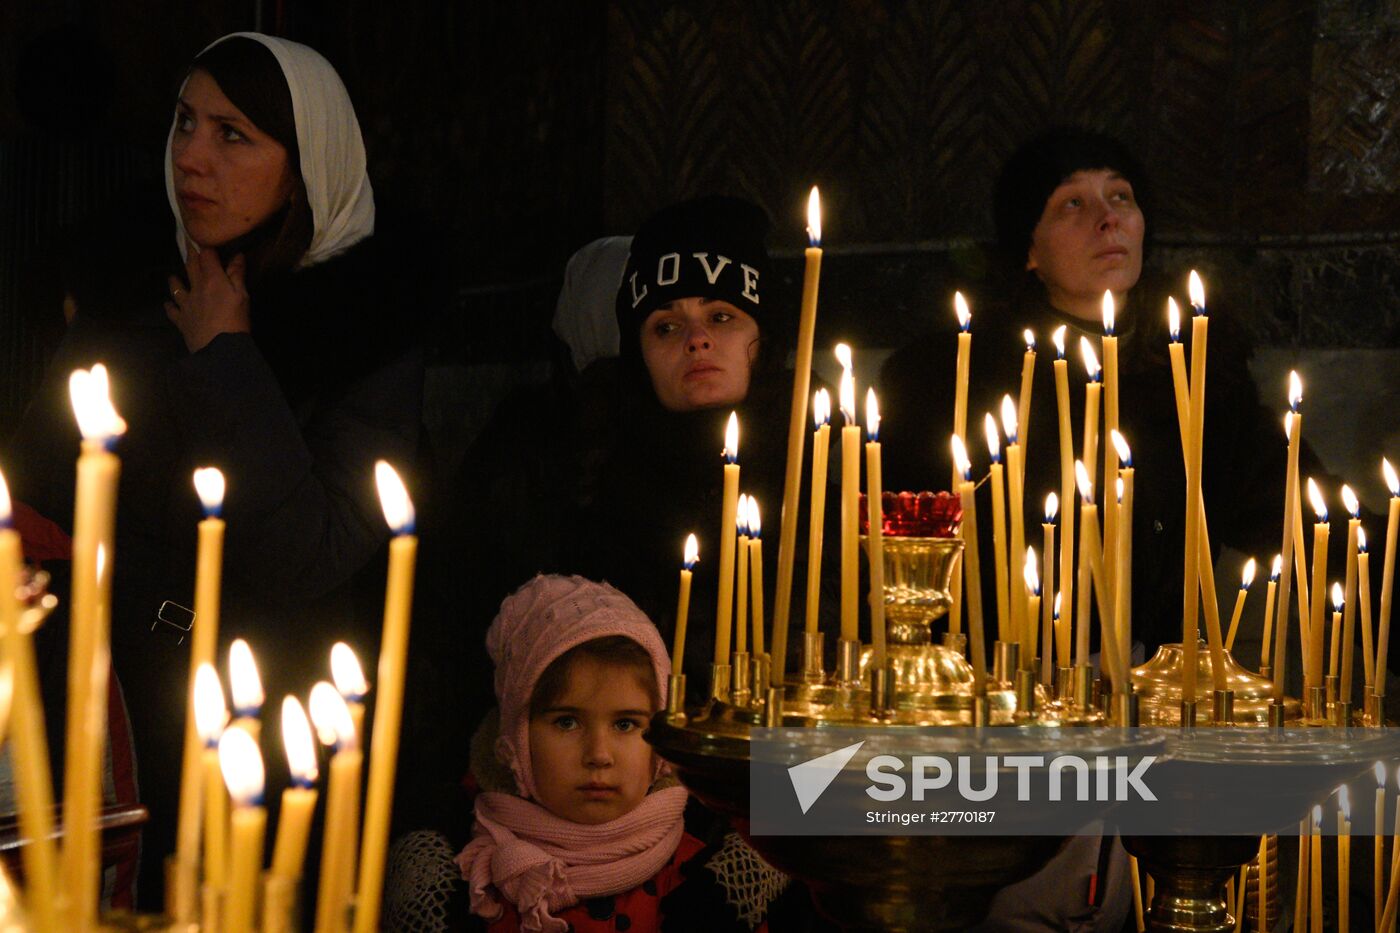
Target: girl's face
(1088,241)
(586,750)
(699,352)
(230,177)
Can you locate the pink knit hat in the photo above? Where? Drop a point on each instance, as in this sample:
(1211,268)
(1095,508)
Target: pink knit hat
(539,622)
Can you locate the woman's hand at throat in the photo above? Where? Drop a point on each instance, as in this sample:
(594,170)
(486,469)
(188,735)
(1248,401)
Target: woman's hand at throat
(214,302)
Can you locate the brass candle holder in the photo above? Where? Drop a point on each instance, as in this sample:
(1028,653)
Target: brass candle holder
(1158,684)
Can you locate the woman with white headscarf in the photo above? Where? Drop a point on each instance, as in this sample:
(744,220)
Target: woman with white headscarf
(280,344)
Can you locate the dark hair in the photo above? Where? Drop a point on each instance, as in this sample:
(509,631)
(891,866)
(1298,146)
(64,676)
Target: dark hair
(250,77)
(611,650)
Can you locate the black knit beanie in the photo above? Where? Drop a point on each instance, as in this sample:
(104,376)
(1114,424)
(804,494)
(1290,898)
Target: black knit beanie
(710,247)
(1040,166)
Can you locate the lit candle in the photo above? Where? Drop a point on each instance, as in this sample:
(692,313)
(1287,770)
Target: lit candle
(335,728)
(1061,367)
(1021,626)
(691,555)
(1300,552)
(1378,860)
(965,490)
(850,492)
(89,642)
(792,480)
(1191,575)
(1123,595)
(209,484)
(1316,620)
(964,315)
(388,709)
(1246,580)
(29,747)
(1315,875)
(1093,390)
(756,575)
(1263,890)
(821,414)
(299,800)
(1062,633)
(1050,648)
(1290,516)
(210,716)
(729,510)
(242,767)
(1392,526)
(1300,890)
(741,582)
(1032,580)
(350,683)
(874,493)
(1337,603)
(1363,591)
(1269,594)
(1089,548)
(1349,612)
(1110,424)
(245,687)
(1023,403)
(1081,614)
(1005,631)
(1343,859)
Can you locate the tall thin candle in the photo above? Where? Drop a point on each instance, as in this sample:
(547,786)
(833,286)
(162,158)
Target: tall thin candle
(729,509)
(1290,504)
(1023,402)
(965,490)
(1191,574)
(1032,590)
(299,800)
(1349,613)
(850,499)
(821,414)
(334,892)
(1061,367)
(245,688)
(1337,603)
(210,717)
(689,559)
(1123,595)
(1378,856)
(1317,619)
(242,767)
(741,581)
(1269,595)
(874,492)
(1022,625)
(1363,591)
(1343,859)
(1093,390)
(1005,631)
(964,364)
(792,480)
(1246,580)
(756,577)
(1392,526)
(1050,647)
(1110,424)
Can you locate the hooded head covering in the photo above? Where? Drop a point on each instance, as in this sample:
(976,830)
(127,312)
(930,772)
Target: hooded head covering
(520,851)
(330,148)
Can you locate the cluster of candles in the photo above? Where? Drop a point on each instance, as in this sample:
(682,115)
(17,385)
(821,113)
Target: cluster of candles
(216,873)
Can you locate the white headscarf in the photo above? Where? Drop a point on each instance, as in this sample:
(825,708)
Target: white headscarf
(332,151)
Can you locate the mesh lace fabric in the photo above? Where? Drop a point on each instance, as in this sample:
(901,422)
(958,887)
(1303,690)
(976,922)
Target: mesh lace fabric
(750,884)
(422,877)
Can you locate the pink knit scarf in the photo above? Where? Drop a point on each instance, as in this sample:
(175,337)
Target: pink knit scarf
(543,864)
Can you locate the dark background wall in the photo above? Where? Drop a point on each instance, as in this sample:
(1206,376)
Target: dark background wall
(517,132)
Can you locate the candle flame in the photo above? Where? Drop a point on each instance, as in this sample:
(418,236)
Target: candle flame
(731,438)
(1392,482)
(989,425)
(847,396)
(347,674)
(1081,479)
(814,217)
(960,461)
(1380,774)
(1052,508)
(331,716)
(1029,336)
(1173,320)
(1118,489)
(6,509)
(872,415)
(1349,500)
(242,767)
(692,551)
(1058,338)
(209,485)
(755,522)
(1247,577)
(963,312)
(1197,292)
(843,356)
(1317,816)
(210,713)
(1337,597)
(1360,540)
(1276,569)
(393,499)
(1288,425)
(1032,578)
(1008,418)
(92,404)
(1318,505)
(1344,801)
(1091,359)
(1108,310)
(821,408)
(243,680)
(296,739)
(1295,390)
(1120,444)
(1056,610)
(741,516)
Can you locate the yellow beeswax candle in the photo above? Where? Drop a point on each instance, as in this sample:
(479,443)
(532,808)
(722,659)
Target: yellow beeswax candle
(976,639)
(690,557)
(1110,424)
(1061,367)
(756,575)
(1290,506)
(349,679)
(1005,632)
(1349,611)
(1363,591)
(821,413)
(242,768)
(792,480)
(741,579)
(245,687)
(874,492)
(299,800)
(1317,620)
(1246,580)
(1022,629)
(1270,594)
(1093,392)
(1392,527)
(1049,648)
(388,709)
(729,512)
(334,726)
(1123,554)
(1023,402)
(210,718)
(850,493)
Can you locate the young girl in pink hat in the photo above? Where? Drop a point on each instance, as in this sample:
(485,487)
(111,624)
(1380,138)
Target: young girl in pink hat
(579,671)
